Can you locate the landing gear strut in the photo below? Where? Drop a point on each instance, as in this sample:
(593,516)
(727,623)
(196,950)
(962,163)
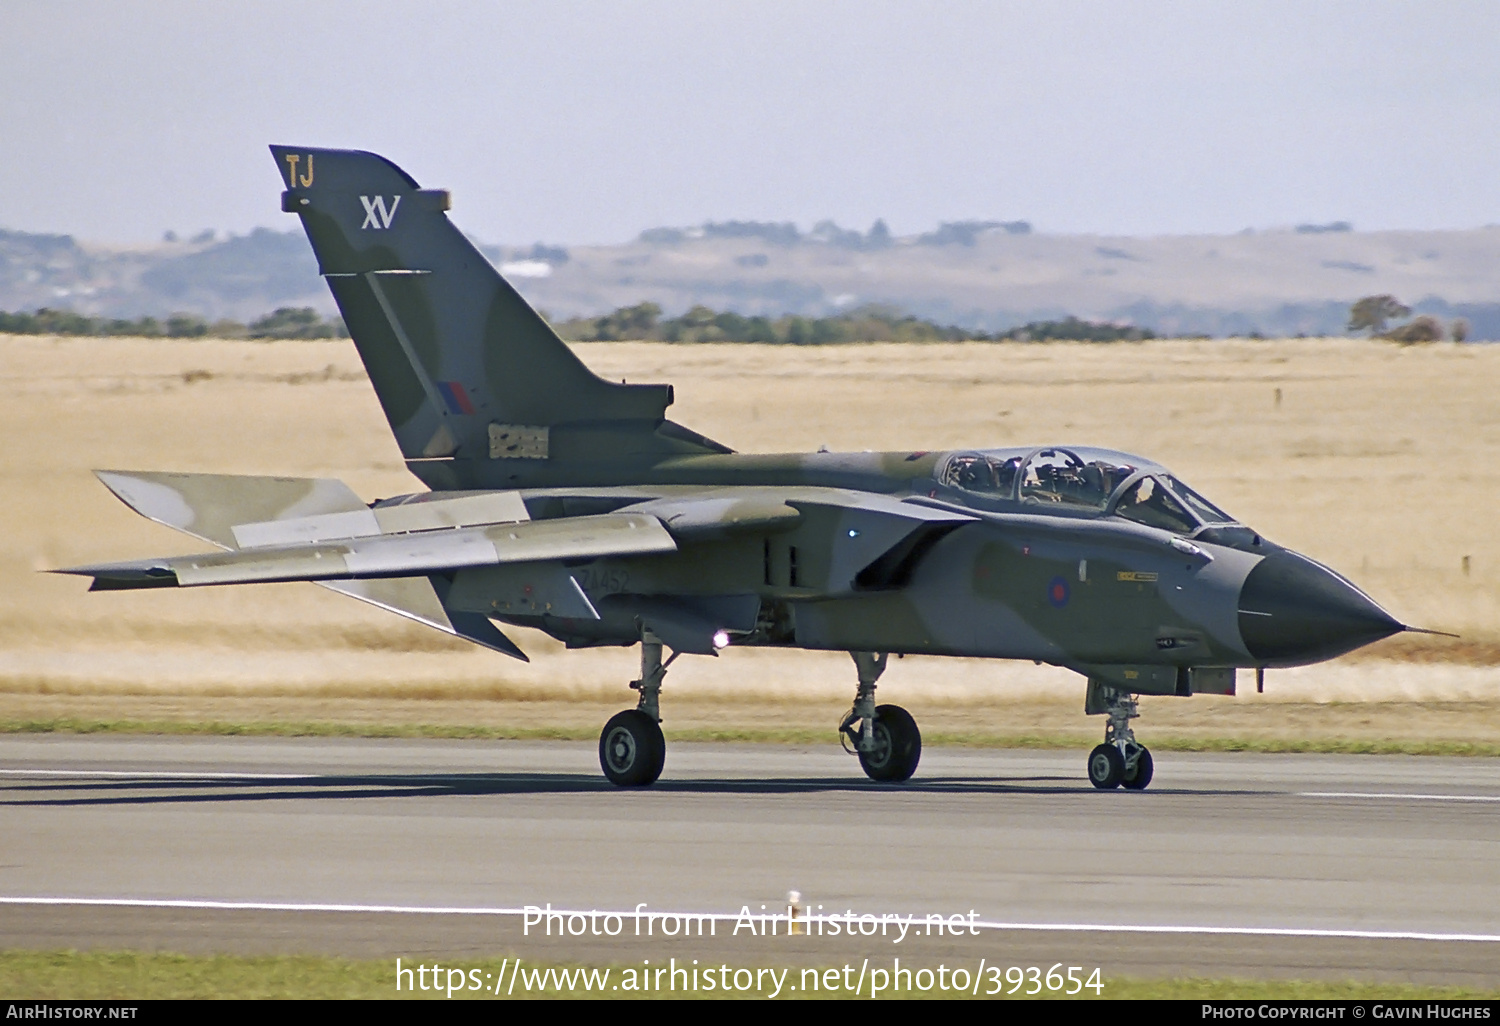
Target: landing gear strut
(632,750)
(887,740)
(1121,761)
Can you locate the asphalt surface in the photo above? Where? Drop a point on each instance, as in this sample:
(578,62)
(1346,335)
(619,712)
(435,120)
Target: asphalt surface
(1245,865)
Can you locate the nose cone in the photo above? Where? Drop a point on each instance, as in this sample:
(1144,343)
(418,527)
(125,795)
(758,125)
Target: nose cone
(1293,611)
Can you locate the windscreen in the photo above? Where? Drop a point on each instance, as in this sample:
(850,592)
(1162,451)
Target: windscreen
(1206,511)
(1149,502)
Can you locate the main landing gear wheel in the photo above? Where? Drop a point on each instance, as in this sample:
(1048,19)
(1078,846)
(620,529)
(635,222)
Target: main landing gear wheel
(1106,767)
(897,748)
(1138,776)
(1109,769)
(631,749)
(887,742)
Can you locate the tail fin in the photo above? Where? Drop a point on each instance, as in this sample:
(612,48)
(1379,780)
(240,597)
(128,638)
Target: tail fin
(466,371)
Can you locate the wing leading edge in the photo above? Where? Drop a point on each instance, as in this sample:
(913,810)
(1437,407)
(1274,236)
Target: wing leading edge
(400,555)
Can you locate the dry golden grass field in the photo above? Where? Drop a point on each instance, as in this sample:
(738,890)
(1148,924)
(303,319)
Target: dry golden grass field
(1378,460)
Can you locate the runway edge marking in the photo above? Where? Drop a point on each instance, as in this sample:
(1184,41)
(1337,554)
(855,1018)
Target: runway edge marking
(439,910)
(158,775)
(1391,795)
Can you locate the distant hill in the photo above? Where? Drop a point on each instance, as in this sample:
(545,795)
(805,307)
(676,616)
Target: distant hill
(240,278)
(982,275)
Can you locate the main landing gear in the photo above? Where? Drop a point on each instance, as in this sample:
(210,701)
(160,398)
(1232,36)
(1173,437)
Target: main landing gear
(1120,761)
(631,748)
(887,740)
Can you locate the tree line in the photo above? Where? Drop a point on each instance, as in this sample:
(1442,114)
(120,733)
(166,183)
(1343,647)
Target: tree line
(284,322)
(644,322)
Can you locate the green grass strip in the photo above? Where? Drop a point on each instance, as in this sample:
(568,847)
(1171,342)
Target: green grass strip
(275,728)
(127,975)
(1198,989)
(774,735)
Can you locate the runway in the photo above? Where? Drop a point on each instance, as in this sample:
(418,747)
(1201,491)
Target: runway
(1242,865)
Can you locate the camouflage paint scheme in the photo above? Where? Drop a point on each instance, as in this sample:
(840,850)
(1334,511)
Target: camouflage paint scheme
(571,504)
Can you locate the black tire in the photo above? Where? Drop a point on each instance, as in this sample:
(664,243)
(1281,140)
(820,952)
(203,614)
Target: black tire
(898,746)
(1138,778)
(1106,767)
(631,749)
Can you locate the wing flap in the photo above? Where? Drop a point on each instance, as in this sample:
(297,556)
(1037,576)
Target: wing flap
(422,514)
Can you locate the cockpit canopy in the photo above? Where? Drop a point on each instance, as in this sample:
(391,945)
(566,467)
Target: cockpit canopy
(1083,480)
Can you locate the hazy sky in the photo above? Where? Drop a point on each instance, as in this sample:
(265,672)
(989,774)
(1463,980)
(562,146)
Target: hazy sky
(588,121)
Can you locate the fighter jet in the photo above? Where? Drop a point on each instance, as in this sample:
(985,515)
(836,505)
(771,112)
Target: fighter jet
(570,504)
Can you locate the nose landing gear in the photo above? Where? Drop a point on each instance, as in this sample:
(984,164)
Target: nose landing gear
(1121,761)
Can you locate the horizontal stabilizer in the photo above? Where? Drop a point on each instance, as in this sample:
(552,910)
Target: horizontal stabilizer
(476,628)
(417,599)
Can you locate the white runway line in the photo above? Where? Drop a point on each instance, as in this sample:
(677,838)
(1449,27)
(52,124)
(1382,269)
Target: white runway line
(158,775)
(1401,797)
(439,910)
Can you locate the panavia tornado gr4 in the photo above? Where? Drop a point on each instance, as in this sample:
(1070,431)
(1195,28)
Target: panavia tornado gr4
(563,502)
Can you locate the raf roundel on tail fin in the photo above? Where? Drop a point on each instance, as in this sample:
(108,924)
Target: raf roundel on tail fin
(477,387)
